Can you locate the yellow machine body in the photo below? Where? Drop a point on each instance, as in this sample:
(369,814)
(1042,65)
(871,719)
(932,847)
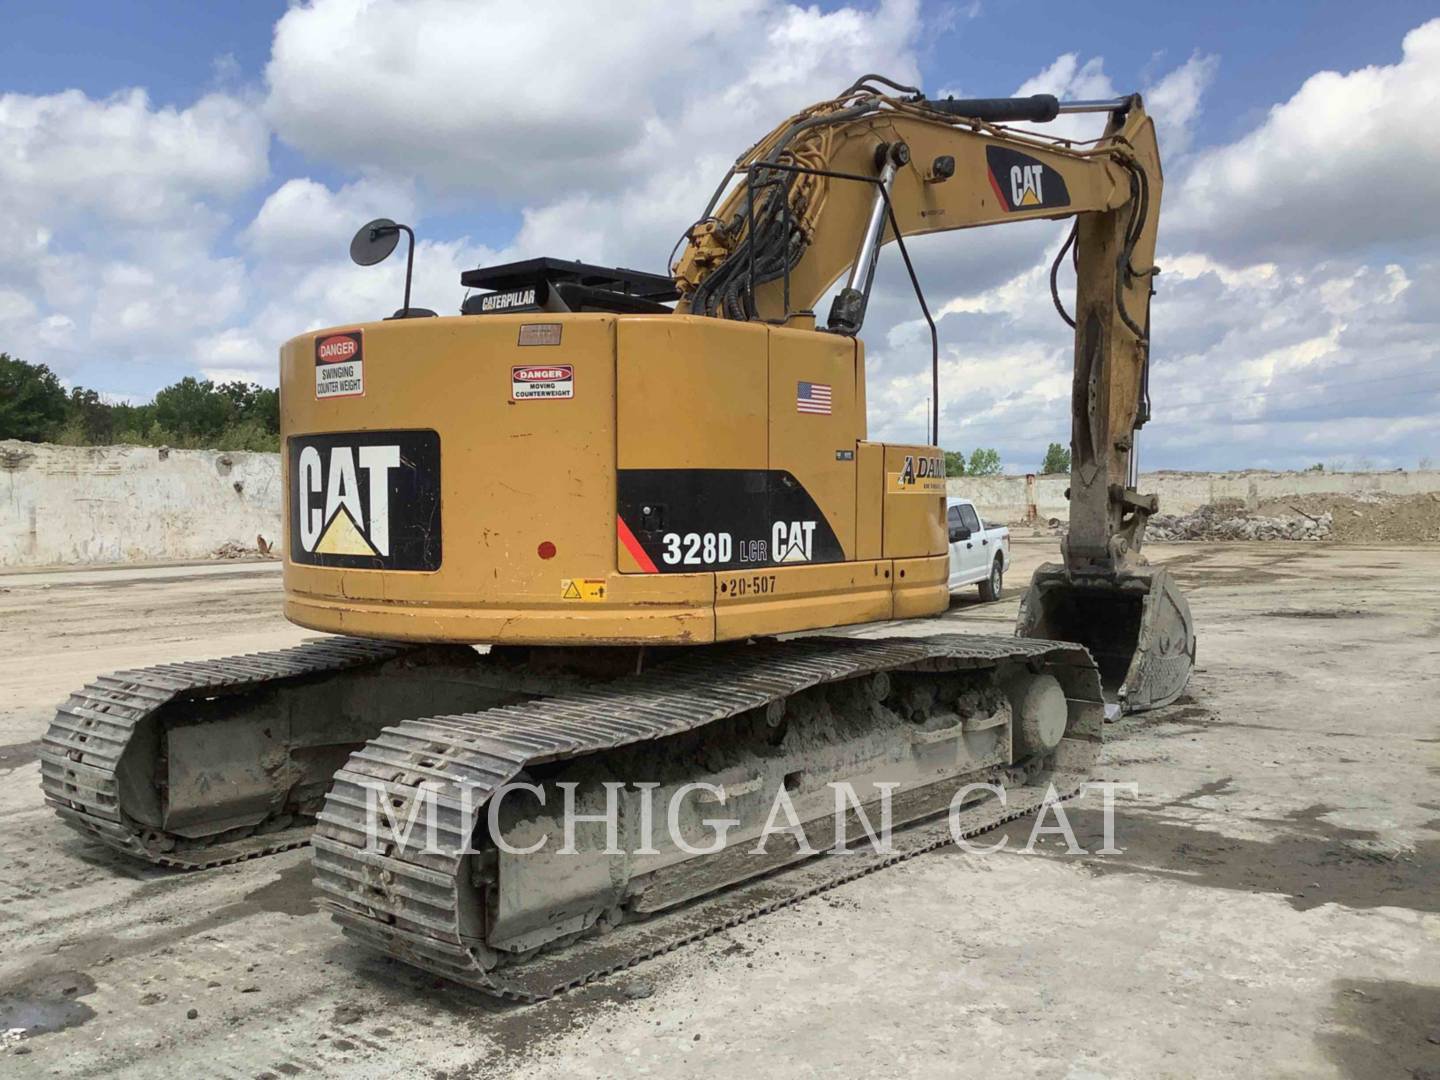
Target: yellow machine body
(687,480)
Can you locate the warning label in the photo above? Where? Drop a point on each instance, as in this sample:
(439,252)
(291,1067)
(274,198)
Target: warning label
(582,589)
(552,381)
(340,365)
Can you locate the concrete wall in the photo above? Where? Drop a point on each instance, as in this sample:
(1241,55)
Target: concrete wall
(66,504)
(69,504)
(1002,498)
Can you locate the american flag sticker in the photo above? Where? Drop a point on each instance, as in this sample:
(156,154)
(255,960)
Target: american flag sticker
(812,397)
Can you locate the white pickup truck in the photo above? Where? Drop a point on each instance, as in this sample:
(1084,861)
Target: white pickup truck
(978,556)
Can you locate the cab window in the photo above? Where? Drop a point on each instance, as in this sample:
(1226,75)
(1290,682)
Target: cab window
(968,520)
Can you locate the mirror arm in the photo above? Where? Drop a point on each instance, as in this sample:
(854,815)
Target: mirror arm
(369,256)
(409,264)
(376,233)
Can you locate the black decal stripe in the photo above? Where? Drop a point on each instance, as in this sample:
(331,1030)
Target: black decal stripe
(745,503)
(1000,160)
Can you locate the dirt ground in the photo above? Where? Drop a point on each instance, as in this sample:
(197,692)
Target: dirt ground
(1275,910)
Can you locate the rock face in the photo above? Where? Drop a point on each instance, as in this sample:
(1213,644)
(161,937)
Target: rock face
(1230,521)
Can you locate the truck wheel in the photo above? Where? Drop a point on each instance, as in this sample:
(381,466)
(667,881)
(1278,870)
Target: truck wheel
(991,586)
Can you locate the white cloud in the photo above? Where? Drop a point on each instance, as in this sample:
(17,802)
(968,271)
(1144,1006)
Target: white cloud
(15,307)
(1067,77)
(112,210)
(303,220)
(144,308)
(1351,162)
(1290,324)
(234,355)
(67,153)
(486,98)
(1262,365)
(1174,102)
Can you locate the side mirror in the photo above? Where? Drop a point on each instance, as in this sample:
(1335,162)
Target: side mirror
(958,533)
(373,244)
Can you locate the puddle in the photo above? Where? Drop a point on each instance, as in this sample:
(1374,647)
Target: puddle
(1308,860)
(1378,1028)
(291,893)
(17,754)
(48,1004)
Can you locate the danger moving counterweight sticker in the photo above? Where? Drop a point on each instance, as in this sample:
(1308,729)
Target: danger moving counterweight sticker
(340,365)
(542,381)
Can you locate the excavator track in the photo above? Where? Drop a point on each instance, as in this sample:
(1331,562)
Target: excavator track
(82,751)
(426,905)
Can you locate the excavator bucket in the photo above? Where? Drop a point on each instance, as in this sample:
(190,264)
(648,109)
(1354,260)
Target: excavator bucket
(1136,624)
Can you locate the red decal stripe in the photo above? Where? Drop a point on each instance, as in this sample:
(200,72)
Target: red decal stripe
(995,184)
(633,546)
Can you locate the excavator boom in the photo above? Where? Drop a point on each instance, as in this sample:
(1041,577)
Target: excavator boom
(826,189)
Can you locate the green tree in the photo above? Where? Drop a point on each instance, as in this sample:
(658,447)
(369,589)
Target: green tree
(194,409)
(132,422)
(1057,459)
(253,405)
(984,462)
(954,462)
(192,413)
(32,401)
(89,417)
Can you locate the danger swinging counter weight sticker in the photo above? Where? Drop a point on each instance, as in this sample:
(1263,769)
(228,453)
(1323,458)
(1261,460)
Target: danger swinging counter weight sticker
(340,365)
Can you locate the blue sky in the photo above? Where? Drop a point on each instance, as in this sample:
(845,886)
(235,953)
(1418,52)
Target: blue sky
(185,230)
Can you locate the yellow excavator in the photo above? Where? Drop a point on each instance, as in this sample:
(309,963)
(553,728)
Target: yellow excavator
(646,512)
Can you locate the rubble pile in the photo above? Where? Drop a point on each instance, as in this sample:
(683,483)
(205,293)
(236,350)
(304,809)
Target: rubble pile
(1230,521)
(1359,517)
(234,549)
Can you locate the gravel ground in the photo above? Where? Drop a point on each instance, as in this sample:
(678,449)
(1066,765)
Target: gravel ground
(1275,909)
